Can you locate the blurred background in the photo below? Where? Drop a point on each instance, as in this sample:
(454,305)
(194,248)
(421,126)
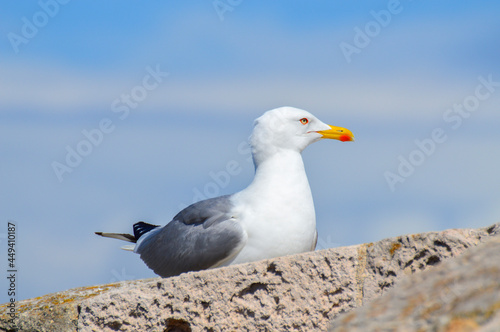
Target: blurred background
(116,112)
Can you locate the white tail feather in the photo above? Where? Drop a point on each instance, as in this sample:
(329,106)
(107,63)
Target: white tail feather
(128,247)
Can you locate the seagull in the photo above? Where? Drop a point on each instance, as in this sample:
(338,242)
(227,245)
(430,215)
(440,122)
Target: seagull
(274,216)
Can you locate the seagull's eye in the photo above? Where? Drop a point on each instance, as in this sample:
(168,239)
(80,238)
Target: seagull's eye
(304,121)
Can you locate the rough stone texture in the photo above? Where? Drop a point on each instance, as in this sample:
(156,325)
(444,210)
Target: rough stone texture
(462,294)
(53,312)
(301,292)
(390,259)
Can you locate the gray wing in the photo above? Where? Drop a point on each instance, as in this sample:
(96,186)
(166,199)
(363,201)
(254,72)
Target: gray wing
(201,236)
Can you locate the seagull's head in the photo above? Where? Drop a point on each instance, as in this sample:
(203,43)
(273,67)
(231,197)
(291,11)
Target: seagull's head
(289,128)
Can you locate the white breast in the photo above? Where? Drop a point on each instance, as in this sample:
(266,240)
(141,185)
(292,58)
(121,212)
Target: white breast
(276,210)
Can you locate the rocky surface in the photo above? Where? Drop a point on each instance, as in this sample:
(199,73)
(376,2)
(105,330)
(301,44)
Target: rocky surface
(462,294)
(301,292)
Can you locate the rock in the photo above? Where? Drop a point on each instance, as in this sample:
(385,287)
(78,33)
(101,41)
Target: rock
(53,312)
(301,292)
(462,294)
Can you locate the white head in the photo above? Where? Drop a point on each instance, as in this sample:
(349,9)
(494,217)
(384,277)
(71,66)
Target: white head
(289,128)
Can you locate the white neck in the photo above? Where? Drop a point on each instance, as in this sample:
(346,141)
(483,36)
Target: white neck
(281,179)
(277,209)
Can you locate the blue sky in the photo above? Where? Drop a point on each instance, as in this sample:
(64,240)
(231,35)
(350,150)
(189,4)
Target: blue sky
(407,79)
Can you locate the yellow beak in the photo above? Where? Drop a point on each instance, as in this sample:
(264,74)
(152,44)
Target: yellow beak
(338,133)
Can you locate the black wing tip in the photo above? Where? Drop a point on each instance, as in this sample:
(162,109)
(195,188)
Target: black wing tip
(98,233)
(141,228)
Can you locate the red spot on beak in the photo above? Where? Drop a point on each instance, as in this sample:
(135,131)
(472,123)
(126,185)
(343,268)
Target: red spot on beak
(345,138)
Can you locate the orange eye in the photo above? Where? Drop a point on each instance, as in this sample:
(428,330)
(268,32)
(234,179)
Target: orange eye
(304,121)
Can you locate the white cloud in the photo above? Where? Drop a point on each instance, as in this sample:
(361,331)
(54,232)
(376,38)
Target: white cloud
(390,98)
(395,79)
